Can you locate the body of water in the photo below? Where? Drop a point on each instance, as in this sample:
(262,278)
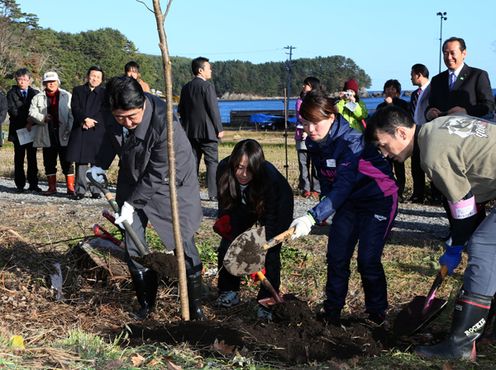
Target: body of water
(226,106)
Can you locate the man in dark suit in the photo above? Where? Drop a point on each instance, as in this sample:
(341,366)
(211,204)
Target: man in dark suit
(19,99)
(136,130)
(200,118)
(459,89)
(419,101)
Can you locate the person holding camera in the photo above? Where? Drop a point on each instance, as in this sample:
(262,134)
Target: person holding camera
(351,107)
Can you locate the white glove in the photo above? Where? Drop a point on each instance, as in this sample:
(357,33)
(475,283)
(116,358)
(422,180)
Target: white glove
(303,226)
(97,173)
(126,214)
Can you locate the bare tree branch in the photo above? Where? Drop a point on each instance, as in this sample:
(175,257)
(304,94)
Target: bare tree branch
(167,9)
(146,6)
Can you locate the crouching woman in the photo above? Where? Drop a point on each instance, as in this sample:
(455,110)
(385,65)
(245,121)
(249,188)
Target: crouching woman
(250,191)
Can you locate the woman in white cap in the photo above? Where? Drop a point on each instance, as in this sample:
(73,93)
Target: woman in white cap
(51,112)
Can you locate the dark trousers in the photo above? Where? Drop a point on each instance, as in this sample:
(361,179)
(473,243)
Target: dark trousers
(50,155)
(82,185)
(140,221)
(209,149)
(418,175)
(226,281)
(399,174)
(308,180)
(20,152)
(369,224)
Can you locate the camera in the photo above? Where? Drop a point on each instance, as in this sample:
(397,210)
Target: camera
(348,94)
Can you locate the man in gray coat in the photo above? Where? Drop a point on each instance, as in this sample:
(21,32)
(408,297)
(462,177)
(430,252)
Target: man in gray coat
(136,130)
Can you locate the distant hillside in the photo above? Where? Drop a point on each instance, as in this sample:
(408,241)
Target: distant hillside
(24,44)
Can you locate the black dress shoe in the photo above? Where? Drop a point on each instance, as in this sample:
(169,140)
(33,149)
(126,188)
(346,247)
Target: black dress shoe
(36,189)
(19,190)
(96,196)
(78,196)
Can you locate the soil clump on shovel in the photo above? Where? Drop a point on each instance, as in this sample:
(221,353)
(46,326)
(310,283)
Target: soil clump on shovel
(164,264)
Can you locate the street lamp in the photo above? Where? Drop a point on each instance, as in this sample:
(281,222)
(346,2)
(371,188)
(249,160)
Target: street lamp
(442,16)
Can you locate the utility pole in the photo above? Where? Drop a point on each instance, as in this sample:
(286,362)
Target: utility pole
(443,17)
(287,96)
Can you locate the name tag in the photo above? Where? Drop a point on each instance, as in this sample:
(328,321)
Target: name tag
(331,163)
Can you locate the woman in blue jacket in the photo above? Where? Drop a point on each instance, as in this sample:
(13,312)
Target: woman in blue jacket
(359,194)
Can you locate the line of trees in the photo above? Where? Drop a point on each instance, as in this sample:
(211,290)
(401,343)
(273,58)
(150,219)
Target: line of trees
(24,44)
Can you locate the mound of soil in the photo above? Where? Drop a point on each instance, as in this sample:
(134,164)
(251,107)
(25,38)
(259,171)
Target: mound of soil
(293,337)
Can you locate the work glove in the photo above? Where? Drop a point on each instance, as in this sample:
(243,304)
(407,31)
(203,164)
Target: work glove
(452,257)
(97,173)
(254,276)
(223,227)
(126,214)
(303,226)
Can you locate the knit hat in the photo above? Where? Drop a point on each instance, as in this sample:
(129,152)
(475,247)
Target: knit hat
(351,84)
(51,76)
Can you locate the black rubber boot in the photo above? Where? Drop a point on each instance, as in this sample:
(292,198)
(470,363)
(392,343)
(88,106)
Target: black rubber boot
(145,284)
(469,318)
(195,292)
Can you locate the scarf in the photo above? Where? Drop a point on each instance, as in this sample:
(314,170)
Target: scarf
(53,106)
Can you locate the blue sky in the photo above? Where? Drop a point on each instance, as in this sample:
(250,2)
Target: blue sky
(383,37)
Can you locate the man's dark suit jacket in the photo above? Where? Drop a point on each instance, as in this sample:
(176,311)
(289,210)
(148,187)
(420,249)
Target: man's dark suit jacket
(472,91)
(199,110)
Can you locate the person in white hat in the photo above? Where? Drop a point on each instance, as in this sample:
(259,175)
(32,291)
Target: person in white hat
(51,112)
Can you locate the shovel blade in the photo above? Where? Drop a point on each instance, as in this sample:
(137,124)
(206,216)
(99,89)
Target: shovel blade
(245,254)
(411,319)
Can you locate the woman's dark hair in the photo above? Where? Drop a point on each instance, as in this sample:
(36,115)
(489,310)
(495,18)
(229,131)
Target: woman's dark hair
(229,188)
(124,93)
(313,82)
(317,106)
(394,84)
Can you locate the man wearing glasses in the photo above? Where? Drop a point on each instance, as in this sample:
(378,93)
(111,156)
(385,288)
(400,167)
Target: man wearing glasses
(136,130)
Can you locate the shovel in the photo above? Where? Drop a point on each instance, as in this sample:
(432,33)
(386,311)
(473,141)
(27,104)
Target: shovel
(160,262)
(422,309)
(246,255)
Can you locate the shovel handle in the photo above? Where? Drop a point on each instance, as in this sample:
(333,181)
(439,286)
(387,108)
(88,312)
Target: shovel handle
(443,272)
(110,198)
(100,232)
(266,283)
(279,238)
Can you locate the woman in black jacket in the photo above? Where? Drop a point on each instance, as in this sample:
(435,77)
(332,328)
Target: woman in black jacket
(250,190)
(88,129)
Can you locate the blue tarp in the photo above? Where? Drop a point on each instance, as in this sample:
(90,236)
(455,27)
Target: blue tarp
(269,120)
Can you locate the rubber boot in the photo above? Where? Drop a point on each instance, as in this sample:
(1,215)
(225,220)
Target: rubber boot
(69,181)
(145,284)
(469,318)
(52,185)
(489,335)
(195,291)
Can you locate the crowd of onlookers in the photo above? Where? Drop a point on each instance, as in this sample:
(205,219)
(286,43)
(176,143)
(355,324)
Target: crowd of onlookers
(68,127)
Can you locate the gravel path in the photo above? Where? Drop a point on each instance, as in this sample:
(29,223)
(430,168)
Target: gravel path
(413,223)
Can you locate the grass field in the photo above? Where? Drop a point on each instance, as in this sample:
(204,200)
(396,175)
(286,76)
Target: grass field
(75,335)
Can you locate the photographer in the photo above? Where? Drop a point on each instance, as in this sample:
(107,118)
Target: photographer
(350,107)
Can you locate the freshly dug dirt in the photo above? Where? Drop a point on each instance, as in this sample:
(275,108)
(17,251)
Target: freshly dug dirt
(294,337)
